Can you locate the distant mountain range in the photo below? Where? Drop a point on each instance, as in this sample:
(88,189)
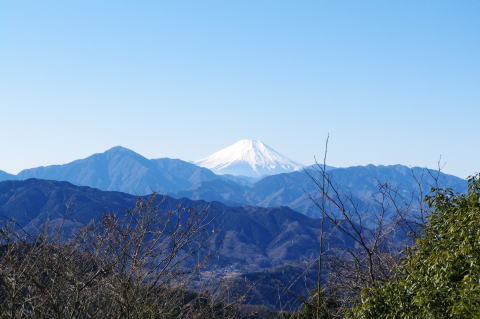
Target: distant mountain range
(266,235)
(250,238)
(5,176)
(255,241)
(265,248)
(120,169)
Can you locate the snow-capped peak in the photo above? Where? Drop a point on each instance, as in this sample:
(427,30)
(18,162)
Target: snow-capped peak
(248,158)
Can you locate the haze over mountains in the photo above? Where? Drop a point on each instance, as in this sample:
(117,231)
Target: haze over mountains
(120,169)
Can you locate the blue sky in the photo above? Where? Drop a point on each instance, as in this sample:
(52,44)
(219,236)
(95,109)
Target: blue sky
(391,81)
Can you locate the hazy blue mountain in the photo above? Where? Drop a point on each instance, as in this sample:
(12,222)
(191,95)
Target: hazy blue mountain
(242,180)
(4,176)
(121,169)
(183,174)
(250,237)
(32,202)
(221,190)
(360,182)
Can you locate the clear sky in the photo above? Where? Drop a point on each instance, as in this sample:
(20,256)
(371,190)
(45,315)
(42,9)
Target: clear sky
(391,81)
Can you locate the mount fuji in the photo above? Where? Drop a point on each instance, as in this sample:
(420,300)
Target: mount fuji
(251,158)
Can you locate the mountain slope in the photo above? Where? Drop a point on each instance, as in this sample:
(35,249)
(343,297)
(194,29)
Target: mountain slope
(250,158)
(250,237)
(32,202)
(4,176)
(361,182)
(221,190)
(121,169)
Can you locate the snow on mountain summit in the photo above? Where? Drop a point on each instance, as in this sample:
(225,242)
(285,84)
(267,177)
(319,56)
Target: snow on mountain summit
(250,158)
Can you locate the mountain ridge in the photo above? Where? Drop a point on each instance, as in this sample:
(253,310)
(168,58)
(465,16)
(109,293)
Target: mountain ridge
(295,189)
(251,237)
(121,169)
(5,176)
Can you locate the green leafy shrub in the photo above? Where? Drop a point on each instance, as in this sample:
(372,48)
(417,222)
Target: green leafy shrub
(440,278)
